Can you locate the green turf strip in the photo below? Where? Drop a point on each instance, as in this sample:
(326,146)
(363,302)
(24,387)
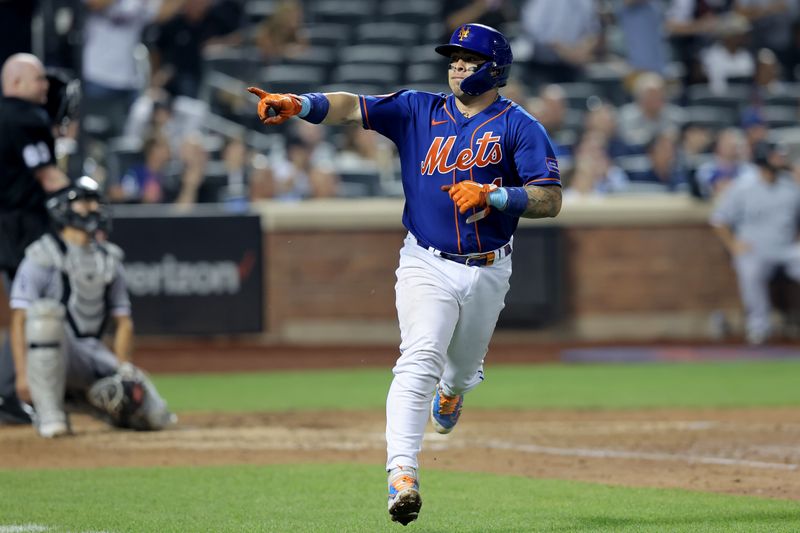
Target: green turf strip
(341,498)
(717,384)
(351,498)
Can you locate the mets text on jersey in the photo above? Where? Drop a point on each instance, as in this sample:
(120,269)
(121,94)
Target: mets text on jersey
(488,152)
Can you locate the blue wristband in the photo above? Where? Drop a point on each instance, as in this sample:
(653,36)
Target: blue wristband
(498,198)
(314,107)
(516,200)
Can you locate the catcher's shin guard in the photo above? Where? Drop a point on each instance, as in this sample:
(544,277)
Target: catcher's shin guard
(47,366)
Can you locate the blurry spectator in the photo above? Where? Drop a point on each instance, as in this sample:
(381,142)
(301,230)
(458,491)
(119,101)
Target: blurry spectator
(769,77)
(516,91)
(194,159)
(112,31)
(149,114)
(144,183)
(728,58)
(151,181)
(550,109)
(640,120)
(564,35)
(642,25)
(729,164)
(315,137)
(237,170)
(755,127)
(178,49)
(155,112)
(16,17)
(363,151)
(757,221)
(324,185)
(262,181)
(280,35)
(602,118)
(666,170)
(772,22)
(696,141)
(494,13)
(690,24)
(594,173)
(295,177)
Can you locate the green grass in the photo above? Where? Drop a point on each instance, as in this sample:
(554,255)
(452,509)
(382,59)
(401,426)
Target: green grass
(297,498)
(716,384)
(341,498)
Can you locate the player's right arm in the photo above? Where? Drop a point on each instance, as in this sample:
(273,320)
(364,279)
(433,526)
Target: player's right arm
(326,108)
(344,109)
(51,178)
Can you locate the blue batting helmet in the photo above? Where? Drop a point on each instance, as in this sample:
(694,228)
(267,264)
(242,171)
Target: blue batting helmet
(486,42)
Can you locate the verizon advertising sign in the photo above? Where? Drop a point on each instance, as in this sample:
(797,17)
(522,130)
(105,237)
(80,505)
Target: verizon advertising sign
(193,275)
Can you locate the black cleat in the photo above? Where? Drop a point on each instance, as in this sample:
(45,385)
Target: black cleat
(13,411)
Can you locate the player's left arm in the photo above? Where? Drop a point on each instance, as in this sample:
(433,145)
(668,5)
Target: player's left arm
(120,309)
(123,338)
(543,202)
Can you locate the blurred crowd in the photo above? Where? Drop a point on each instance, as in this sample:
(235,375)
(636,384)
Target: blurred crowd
(639,96)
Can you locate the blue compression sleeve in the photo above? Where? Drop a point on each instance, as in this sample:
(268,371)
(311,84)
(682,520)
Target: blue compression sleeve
(513,201)
(314,107)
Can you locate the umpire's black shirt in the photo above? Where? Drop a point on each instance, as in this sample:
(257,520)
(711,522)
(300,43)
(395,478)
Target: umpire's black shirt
(26,144)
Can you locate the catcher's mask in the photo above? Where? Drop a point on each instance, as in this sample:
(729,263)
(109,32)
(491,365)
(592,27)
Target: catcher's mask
(488,43)
(60,207)
(63,97)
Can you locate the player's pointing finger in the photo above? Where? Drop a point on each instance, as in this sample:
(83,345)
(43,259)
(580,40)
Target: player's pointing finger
(258,92)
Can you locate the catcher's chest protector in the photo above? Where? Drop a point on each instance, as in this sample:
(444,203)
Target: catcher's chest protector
(86,273)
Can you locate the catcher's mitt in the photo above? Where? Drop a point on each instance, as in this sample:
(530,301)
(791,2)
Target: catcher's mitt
(273,108)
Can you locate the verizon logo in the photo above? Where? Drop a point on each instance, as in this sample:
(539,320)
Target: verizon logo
(182,278)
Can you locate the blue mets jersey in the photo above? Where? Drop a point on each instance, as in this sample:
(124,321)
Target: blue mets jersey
(502,144)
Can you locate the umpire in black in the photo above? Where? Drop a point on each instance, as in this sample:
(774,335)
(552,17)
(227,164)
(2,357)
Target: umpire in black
(28,168)
(28,172)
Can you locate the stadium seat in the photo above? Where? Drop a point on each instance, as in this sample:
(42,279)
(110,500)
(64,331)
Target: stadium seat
(734,98)
(329,35)
(349,12)
(367,183)
(355,88)
(781,116)
(314,56)
(712,117)
(787,95)
(378,74)
(424,73)
(578,92)
(257,10)
(410,11)
(388,33)
(426,53)
(367,53)
(293,78)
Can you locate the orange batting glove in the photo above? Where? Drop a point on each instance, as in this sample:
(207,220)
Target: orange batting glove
(282,106)
(469,194)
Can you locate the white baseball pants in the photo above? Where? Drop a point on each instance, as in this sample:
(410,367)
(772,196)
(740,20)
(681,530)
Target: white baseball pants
(447,314)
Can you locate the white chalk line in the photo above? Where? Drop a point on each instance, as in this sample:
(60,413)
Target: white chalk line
(31,528)
(618,454)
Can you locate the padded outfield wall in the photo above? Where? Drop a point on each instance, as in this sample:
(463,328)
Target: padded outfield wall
(616,269)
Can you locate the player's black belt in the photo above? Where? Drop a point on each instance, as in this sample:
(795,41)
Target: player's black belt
(485,259)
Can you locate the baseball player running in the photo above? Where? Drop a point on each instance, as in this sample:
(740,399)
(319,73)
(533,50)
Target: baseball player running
(67,287)
(473,163)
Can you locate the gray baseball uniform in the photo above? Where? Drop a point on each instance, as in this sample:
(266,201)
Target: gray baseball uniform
(767,217)
(89,282)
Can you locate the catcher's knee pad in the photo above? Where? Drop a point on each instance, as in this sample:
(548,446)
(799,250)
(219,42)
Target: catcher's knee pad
(130,399)
(46,361)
